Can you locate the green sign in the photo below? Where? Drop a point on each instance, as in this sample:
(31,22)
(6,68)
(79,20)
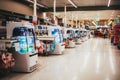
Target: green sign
(27,17)
(97,19)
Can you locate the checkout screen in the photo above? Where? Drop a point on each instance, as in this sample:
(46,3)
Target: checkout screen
(23,44)
(57,36)
(30,44)
(31,40)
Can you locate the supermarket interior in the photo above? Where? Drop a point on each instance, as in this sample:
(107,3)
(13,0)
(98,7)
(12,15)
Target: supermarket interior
(59,40)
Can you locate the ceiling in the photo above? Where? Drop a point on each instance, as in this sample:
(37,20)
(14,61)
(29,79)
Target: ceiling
(86,9)
(79,3)
(82,5)
(88,15)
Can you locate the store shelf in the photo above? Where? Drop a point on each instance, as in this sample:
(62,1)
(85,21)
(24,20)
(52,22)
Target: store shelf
(51,38)
(8,40)
(1,27)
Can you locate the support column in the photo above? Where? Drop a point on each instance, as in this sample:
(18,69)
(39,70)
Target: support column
(65,9)
(72,20)
(54,7)
(79,23)
(76,22)
(35,8)
(35,13)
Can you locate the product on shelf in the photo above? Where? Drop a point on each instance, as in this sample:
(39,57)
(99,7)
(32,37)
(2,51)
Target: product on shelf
(7,60)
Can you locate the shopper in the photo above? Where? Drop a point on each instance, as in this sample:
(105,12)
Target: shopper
(105,33)
(109,33)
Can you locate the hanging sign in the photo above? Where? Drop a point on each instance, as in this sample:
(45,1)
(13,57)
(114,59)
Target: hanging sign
(34,18)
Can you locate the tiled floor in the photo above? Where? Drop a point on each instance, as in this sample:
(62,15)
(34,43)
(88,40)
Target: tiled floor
(95,59)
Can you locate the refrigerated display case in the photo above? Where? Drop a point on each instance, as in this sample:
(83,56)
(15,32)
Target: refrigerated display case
(56,31)
(69,37)
(77,36)
(52,39)
(26,57)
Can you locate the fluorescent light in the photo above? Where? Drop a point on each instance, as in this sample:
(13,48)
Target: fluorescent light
(40,5)
(94,23)
(44,15)
(30,1)
(109,3)
(72,3)
(109,22)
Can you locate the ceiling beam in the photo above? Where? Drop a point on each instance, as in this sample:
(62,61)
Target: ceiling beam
(86,8)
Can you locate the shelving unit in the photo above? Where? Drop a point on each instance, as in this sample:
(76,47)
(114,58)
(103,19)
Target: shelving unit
(46,38)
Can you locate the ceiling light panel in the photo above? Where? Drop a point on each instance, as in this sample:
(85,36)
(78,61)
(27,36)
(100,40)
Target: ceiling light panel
(71,2)
(38,4)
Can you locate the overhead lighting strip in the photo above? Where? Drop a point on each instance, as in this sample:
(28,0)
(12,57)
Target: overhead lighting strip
(109,22)
(40,5)
(109,3)
(94,23)
(72,3)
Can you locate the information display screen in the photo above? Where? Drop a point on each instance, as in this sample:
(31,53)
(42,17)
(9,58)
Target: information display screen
(31,47)
(23,44)
(31,40)
(57,36)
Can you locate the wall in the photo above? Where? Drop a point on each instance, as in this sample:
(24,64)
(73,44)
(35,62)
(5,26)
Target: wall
(12,6)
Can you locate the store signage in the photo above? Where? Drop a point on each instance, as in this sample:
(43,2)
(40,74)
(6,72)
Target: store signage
(97,19)
(117,21)
(35,18)
(27,17)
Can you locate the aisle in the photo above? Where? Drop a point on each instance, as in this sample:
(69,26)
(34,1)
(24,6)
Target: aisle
(94,59)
